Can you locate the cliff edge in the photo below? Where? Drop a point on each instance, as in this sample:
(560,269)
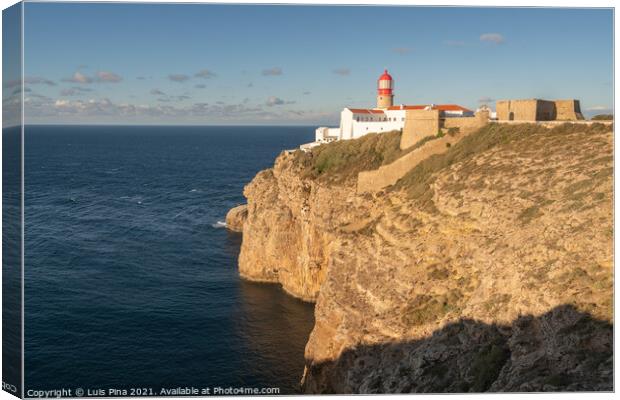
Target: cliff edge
(486,268)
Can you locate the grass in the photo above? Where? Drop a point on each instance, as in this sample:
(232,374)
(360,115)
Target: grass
(425,308)
(496,302)
(417,183)
(453,131)
(342,160)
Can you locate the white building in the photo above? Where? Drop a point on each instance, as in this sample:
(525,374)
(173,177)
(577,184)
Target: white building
(357,122)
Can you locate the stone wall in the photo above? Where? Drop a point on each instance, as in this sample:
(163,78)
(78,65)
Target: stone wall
(418,125)
(538,110)
(545,110)
(387,175)
(568,110)
(466,124)
(516,110)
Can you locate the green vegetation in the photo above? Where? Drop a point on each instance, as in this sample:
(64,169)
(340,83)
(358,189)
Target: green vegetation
(497,302)
(453,131)
(424,308)
(341,161)
(603,117)
(576,194)
(344,159)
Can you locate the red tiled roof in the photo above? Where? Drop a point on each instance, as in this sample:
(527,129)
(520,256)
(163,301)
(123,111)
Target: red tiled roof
(451,107)
(440,107)
(365,111)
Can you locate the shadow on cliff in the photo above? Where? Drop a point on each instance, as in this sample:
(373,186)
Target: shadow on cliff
(562,350)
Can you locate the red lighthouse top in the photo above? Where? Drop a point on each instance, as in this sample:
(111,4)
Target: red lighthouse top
(385,85)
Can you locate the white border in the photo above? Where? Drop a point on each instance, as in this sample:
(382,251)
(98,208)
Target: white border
(462,3)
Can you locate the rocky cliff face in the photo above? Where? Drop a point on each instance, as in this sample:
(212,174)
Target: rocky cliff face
(288,231)
(236,217)
(488,268)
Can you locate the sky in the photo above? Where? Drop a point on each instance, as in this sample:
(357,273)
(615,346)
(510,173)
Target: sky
(300,65)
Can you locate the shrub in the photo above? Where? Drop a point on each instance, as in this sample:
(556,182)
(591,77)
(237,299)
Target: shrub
(343,159)
(425,308)
(453,131)
(603,117)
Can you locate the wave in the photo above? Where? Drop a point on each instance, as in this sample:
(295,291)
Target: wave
(219,224)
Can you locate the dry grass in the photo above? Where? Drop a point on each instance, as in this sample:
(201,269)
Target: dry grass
(342,160)
(524,136)
(603,117)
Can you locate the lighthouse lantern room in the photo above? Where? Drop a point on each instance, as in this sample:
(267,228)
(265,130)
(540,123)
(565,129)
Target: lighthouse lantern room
(385,87)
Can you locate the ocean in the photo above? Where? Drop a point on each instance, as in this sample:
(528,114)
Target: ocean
(131,281)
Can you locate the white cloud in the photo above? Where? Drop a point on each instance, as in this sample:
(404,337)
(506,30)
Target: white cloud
(276,101)
(157,92)
(205,74)
(275,71)
(495,38)
(342,71)
(178,77)
(598,108)
(100,76)
(79,77)
(107,76)
(44,109)
(62,103)
(76,90)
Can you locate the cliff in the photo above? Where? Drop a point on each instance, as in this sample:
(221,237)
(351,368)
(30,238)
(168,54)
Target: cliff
(486,268)
(236,217)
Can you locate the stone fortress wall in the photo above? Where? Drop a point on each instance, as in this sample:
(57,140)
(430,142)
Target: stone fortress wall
(538,110)
(420,124)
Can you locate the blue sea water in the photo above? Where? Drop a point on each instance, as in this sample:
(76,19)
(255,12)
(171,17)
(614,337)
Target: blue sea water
(130,281)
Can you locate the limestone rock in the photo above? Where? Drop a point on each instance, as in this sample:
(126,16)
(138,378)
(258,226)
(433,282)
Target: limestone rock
(236,217)
(497,278)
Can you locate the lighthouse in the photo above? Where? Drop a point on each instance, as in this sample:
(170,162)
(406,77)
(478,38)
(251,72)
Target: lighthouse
(385,86)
